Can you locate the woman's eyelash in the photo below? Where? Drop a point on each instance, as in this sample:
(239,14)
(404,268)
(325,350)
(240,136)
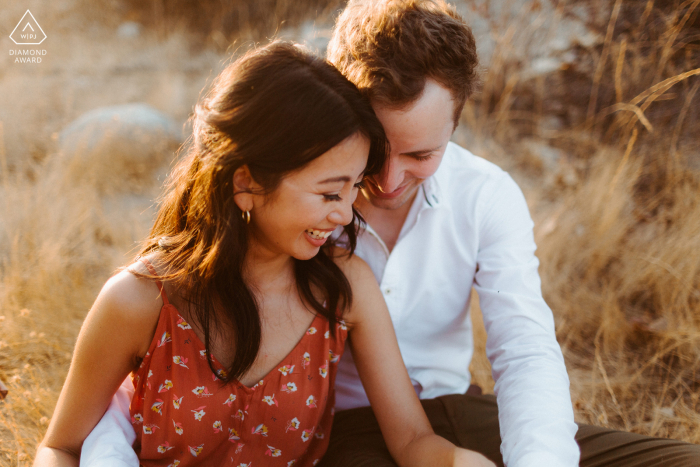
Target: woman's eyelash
(336,196)
(332,197)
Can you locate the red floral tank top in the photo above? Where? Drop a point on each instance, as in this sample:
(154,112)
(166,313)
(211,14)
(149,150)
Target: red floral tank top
(184,415)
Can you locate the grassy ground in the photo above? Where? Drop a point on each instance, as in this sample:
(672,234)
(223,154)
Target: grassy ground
(604,146)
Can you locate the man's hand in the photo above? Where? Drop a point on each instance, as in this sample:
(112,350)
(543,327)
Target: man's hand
(466,458)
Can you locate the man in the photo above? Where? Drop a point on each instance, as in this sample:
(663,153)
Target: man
(441,221)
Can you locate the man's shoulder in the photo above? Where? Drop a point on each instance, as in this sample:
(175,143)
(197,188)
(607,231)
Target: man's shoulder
(462,173)
(474,189)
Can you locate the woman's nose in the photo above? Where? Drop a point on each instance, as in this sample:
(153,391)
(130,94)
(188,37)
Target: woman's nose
(342,214)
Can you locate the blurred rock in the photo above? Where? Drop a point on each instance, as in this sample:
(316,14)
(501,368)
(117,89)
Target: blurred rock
(667,412)
(539,34)
(693,159)
(551,162)
(536,33)
(548,156)
(310,34)
(119,148)
(550,123)
(129,30)
(545,65)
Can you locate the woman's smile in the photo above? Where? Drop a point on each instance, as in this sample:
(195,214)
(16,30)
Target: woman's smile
(317,237)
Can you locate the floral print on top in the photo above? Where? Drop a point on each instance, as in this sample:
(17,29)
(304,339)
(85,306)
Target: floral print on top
(183,414)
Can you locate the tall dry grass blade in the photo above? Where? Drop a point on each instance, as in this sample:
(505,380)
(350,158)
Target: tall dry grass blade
(673,35)
(593,100)
(653,93)
(645,16)
(618,70)
(663,86)
(668,268)
(606,380)
(623,162)
(681,118)
(504,103)
(497,66)
(639,113)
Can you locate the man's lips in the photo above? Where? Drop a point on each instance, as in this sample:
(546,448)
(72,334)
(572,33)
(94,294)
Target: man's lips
(374,188)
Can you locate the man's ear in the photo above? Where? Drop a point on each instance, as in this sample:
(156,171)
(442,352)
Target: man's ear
(244,188)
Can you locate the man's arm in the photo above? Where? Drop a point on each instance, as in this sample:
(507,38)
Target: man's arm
(109,443)
(532,386)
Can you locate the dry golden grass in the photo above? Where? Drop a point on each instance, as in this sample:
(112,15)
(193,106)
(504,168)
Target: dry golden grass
(618,222)
(59,244)
(617,217)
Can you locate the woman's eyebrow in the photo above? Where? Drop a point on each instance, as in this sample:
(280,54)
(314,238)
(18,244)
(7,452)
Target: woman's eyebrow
(344,179)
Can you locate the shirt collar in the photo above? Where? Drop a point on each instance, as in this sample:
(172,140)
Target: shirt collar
(431,192)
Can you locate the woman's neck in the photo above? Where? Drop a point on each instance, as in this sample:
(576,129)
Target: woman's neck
(265,269)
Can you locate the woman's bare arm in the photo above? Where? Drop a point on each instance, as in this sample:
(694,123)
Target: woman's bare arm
(116,333)
(405,427)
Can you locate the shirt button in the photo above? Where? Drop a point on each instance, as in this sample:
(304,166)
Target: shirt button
(387,291)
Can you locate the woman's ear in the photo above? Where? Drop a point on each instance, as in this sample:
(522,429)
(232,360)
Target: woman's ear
(244,188)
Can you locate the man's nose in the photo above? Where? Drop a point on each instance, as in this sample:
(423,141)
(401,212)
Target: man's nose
(390,177)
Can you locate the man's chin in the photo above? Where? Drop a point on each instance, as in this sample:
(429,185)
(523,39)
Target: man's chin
(391,203)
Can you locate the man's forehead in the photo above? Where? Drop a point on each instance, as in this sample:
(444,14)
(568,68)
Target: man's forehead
(420,125)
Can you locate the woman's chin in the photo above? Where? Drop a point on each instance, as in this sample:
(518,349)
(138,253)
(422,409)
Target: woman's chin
(306,255)
(305,251)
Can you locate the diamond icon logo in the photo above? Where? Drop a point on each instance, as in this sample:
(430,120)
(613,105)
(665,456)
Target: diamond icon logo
(28,31)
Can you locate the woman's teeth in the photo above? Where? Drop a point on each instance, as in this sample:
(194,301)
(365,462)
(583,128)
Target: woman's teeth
(319,234)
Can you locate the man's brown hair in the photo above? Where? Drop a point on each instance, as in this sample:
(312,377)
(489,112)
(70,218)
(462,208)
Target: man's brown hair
(388,48)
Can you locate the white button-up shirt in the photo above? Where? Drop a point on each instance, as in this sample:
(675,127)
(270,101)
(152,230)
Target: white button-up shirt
(470,226)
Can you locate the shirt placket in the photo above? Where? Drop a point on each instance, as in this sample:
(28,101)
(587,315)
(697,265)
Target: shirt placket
(391,283)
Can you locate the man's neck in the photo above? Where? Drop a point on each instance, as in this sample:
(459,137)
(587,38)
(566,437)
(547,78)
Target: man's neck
(387,223)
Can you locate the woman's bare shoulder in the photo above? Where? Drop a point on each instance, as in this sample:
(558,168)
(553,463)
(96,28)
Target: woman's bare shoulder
(134,299)
(355,268)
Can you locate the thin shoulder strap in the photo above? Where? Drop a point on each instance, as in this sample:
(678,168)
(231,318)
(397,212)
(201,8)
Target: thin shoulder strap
(152,270)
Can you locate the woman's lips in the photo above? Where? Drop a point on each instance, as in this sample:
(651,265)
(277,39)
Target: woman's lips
(317,237)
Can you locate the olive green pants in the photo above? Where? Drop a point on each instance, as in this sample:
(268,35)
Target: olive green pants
(471,421)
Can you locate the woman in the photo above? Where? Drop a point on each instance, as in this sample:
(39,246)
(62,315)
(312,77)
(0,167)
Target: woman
(233,317)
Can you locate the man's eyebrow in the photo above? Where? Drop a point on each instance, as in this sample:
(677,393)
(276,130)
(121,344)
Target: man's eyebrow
(420,152)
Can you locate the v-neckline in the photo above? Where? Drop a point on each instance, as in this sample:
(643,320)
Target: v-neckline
(220,367)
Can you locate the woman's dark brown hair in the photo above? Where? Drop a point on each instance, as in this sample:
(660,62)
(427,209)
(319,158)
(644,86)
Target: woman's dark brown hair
(275,109)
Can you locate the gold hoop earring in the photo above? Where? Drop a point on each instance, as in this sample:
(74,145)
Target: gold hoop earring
(245,215)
